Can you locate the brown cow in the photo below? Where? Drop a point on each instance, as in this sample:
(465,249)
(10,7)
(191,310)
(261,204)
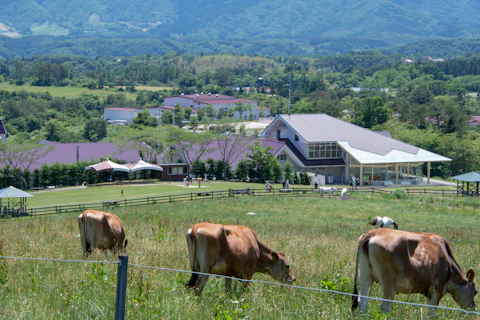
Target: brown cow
(410,262)
(102,230)
(234,251)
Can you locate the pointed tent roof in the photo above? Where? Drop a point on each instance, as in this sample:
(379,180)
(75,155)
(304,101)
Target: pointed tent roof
(12,192)
(142,165)
(468,177)
(108,165)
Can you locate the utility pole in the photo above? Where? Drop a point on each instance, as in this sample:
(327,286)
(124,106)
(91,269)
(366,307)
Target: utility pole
(289,88)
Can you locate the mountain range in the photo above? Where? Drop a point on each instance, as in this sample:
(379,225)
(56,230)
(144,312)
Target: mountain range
(308,26)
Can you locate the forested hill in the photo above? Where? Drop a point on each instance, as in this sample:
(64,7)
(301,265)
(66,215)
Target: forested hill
(286,27)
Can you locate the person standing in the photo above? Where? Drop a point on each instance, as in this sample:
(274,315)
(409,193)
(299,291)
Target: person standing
(121,193)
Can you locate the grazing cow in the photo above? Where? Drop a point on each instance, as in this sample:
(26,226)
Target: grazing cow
(234,251)
(410,262)
(384,222)
(344,192)
(327,190)
(101,230)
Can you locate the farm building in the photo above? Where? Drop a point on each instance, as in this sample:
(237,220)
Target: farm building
(219,101)
(339,150)
(126,115)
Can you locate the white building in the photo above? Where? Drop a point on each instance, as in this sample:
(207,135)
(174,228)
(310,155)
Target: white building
(339,150)
(219,101)
(126,115)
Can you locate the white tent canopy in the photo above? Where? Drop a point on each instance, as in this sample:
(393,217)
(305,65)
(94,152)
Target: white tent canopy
(108,165)
(142,165)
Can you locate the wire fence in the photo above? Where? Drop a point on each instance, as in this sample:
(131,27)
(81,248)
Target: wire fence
(122,279)
(206,195)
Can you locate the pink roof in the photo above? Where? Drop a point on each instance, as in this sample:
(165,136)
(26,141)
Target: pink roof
(212,98)
(474,119)
(92,151)
(216,155)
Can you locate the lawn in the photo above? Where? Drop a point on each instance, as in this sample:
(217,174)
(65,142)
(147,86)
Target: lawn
(80,195)
(317,234)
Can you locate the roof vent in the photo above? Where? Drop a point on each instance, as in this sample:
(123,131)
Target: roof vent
(197,95)
(201,92)
(216,95)
(209,93)
(182,94)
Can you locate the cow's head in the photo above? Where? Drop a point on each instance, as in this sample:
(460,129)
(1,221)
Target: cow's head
(280,268)
(464,293)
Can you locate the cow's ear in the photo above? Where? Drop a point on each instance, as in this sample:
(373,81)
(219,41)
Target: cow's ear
(275,256)
(470,274)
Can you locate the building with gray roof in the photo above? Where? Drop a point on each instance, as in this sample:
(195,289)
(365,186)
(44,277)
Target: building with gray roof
(340,150)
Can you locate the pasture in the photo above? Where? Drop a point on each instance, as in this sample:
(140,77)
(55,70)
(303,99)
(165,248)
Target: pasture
(318,236)
(74,92)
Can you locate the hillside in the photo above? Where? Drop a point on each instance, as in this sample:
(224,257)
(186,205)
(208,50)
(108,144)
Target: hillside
(311,26)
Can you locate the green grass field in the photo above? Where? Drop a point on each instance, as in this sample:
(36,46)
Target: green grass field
(72,92)
(318,235)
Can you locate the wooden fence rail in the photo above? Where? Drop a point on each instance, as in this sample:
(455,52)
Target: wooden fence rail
(204,195)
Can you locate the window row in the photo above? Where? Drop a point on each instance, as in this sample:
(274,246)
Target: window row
(324,150)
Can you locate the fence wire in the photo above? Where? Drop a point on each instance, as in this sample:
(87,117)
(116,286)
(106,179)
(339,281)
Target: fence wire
(413,304)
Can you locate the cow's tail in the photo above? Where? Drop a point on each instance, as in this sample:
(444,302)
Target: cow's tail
(191,238)
(362,245)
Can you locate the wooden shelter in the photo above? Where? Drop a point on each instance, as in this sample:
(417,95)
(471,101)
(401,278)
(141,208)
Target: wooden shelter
(16,203)
(472,180)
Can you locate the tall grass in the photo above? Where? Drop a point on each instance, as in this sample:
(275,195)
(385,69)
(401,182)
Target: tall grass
(318,235)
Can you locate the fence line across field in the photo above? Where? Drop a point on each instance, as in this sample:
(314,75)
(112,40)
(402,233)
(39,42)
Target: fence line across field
(122,279)
(205,195)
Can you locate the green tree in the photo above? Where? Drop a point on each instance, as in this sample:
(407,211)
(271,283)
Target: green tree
(262,161)
(167,117)
(54,130)
(19,155)
(370,111)
(210,111)
(145,118)
(95,130)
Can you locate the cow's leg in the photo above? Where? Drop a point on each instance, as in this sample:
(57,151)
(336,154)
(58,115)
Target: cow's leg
(201,282)
(228,285)
(389,292)
(366,281)
(433,298)
(365,287)
(192,283)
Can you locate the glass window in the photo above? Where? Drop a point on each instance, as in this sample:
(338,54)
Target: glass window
(324,150)
(296,138)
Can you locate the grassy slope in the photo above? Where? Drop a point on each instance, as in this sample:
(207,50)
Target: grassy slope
(72,92)
(319,236)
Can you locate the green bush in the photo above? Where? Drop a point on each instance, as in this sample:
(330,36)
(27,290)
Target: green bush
(400,194)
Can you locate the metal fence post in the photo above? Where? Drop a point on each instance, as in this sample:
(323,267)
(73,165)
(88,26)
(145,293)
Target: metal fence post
(121,288)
